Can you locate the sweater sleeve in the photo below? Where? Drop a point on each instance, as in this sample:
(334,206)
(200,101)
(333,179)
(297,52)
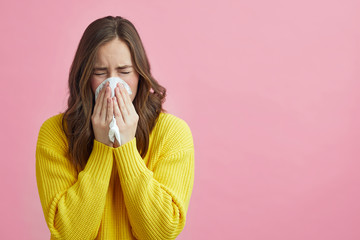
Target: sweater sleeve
(72,203)
(157,201)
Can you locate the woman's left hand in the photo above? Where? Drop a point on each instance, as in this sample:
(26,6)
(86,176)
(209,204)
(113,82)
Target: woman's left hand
(125,115)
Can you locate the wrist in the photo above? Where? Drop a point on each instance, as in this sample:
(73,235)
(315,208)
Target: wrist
(116,144)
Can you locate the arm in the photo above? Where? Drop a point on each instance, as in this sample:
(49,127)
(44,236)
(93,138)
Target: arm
(157,201)
(72,204)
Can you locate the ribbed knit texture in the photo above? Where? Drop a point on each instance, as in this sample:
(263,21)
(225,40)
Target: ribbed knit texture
(118,195)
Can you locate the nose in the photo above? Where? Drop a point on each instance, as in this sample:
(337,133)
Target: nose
(113,74)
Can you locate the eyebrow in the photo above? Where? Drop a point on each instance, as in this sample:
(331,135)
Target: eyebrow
(119,68)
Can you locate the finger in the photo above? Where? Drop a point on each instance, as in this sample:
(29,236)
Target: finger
(126,99)
(117,112)
(121,104)
(123,94)
(104,104)
(128,102)
(110,107)
(98,102)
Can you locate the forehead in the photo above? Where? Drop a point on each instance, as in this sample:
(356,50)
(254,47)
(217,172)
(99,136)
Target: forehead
(116,51)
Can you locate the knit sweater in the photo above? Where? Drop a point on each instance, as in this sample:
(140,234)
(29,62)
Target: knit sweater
(119,194)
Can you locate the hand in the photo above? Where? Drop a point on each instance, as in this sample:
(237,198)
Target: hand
(102,116)
(125,115)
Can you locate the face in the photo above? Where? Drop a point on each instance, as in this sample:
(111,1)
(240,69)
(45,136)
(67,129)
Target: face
(113,59)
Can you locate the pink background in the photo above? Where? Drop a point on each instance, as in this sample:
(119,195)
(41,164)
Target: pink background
(270,90)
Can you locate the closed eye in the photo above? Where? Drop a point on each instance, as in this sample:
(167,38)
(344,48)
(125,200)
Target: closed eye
(98,74)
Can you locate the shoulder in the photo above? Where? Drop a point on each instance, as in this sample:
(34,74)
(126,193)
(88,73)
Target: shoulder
(51,133)
(174,133)
(171,123)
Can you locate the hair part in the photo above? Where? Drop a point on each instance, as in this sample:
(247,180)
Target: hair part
(76,120)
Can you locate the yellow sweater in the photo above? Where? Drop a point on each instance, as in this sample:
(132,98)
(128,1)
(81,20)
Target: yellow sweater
(118,195)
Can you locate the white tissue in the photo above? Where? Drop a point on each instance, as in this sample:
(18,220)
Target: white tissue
(114,130)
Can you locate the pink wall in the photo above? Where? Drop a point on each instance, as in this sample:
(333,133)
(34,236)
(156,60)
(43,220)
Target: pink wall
(270,90)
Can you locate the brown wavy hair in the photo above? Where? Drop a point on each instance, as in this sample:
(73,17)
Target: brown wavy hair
(149,98)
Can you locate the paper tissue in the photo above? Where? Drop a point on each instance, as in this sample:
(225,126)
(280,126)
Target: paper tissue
(113,81)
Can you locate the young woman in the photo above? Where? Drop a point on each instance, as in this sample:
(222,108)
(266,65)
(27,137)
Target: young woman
(91,187)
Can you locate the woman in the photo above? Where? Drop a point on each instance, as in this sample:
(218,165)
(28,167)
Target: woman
(93,188)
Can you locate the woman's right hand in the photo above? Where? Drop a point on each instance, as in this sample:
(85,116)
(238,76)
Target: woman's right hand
(102,116)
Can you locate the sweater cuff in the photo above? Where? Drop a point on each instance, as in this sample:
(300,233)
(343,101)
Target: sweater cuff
(129,161)
(100,161)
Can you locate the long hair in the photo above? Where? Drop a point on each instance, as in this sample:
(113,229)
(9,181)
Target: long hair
(150,95)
